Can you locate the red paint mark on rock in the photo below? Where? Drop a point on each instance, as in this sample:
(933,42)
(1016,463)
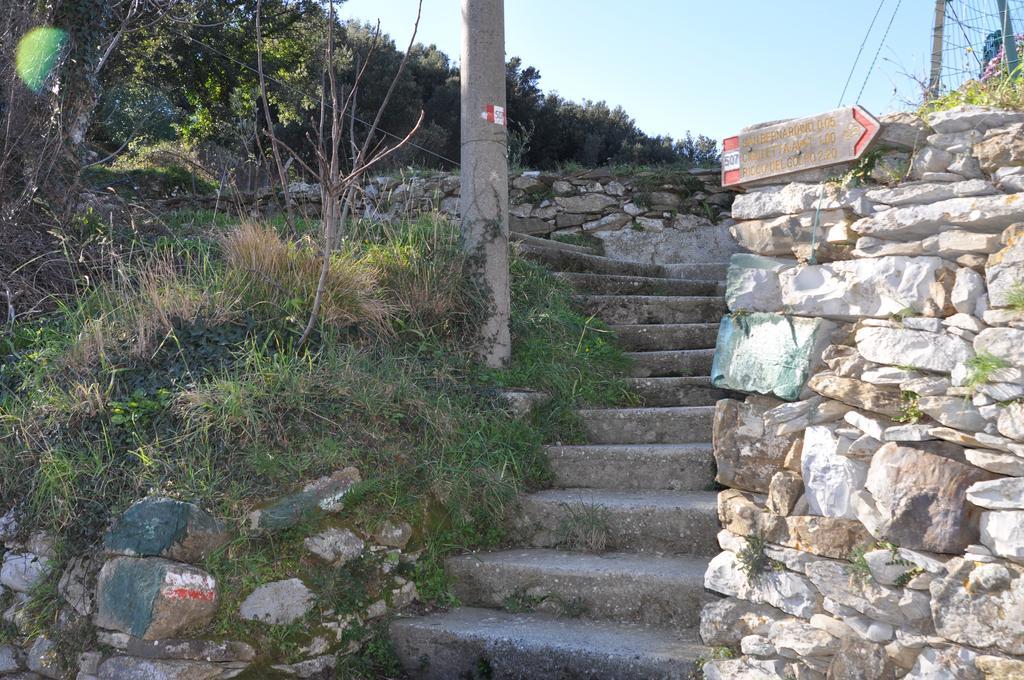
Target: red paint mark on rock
(189,594)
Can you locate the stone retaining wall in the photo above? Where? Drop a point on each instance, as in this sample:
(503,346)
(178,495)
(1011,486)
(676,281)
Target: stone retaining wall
(874,522)
(652,216)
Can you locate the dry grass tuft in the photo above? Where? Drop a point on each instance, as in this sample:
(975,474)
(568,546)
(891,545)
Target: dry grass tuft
(268,270)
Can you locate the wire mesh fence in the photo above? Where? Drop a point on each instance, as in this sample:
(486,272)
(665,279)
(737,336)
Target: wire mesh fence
(973,38)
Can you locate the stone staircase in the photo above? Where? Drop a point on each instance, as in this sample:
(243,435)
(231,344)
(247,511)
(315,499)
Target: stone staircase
(641,489)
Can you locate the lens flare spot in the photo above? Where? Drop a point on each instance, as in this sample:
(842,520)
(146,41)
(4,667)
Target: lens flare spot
(37,54)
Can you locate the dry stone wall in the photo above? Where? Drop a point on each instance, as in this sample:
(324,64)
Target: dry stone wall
(654,216)
(873,524)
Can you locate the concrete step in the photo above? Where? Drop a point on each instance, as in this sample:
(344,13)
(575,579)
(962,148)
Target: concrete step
(654,337)
(538,242)
(483,643)
(676,362)
(652,466)
(692,391)
(675,522)
(652,309)
(675,425)
(562,261)
(611,284)
(704,271)
(624,587)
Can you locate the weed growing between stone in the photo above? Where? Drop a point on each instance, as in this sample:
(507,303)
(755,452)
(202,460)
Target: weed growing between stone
(981,368)
(180,377)
(584,529)
(1015,297)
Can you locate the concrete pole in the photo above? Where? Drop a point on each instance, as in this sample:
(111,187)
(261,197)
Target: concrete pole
(483,200)
(938,28)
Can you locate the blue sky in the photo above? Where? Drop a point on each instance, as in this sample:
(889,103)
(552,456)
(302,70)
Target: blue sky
(709,66)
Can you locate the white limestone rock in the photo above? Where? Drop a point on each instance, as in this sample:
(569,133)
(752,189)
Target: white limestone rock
(953,412)
(1002,532)
(994,461)
(790,199)
(926,387)
(1005,269)
(885,567)
(920,349)
(920,432)
(954,243)
(971,117)
(797,639)
(336,546)
(895,606)
(968,289)
(757,645)
(1009,179)
(920,497)
(277,603)
(967,166)
(792,593)
(877,287)
(949,663)
(987,214)
(1011,421)
(21,571)
(998,494)
(830,478)
(868,246)
(930,192)
(956,142)
(1004,343)
(744,669)
(752,283)
(929,159)
(981,606)
(873,426)
(726,621)
(869,629)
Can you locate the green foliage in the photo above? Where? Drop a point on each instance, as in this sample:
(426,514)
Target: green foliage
(753,560)
(181,378)
(158,171)
(1015,297)
(981,367)
(859,564)
(712,654)
(910,412)
(860,173)
(1001,92)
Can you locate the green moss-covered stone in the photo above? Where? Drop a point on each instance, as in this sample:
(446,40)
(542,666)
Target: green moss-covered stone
(165,527)
(768,353)
(323,495)
(153,598)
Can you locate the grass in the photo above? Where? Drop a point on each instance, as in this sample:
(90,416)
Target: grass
(1015,297)
(180,376)
(159,171)
(584,528)
(981,368)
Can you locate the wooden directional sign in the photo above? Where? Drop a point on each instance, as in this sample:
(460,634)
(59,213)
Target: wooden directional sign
(832,138)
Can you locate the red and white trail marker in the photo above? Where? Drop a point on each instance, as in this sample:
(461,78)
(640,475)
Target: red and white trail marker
(832,138)
(494,114)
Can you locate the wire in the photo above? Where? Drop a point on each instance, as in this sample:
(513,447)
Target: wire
(298,91)
(860,51)
(874,61)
